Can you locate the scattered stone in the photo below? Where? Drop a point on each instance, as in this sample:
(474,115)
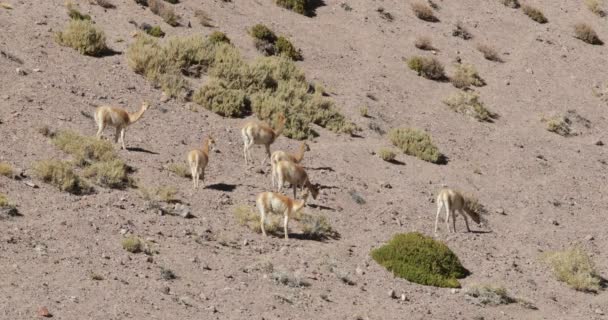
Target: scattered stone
(245,242)
(44,312)
(501,211)
(164,97)
(554,222)
(454,291)
(599,143)
(21,72)
(165,290)
(182,210)
(359,271)
(36,70)
(386,185)
(105,256)
(599,311)
(186,301)
(123,231)
(404,298)
(392,294)
(589,238)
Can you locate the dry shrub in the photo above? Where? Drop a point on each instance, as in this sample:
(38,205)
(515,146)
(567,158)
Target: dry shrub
(466,76)
(217,37)
(247,216)
(316,227)
(84,150)
(6,170)
(574,267)
(61,175)
(584,32)
(510,3)
(155,31)
(424,12)
(181,170)
(559,125)
(164,11)
(203,18)
(534,14)
(416,143)
(83,36)
(468,103)
(595,6)
(215,96)
(489,52)
(299,6)
(134,244)
(385,14)
(427,67)
(110,174)
(488,295)
(387,154)
(267,42)
(424,43)
(461,31)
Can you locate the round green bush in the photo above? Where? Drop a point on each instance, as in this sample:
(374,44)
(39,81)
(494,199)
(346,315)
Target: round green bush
(262,32)
(284,47)
(218,37)
(223,101)
(84,37)
(421,259)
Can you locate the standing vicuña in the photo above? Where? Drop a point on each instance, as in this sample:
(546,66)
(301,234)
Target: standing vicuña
(284,156)
(256,132)
(453,201)
(287,171)
(198,159)
(118,118)
(271,202)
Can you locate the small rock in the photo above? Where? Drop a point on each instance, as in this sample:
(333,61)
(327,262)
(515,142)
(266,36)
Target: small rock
(530,71)
(36,70)
(392,294)
(554,222)
(359,271)
(403,297)
(105,256)
(501,211)
(44,312)
(186,301)
(164,97)
(21,72)
(599,143)
(185,213)
(41,23)
(454,291)
(212,309)
(507,83)
(123,231)
(599,311)
(386,185)
(589,238)
(245,242)
(165,290)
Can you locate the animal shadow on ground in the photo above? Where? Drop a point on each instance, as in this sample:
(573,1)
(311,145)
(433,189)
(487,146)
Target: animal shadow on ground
(320,207)
(322,168)
(222,187)
(397,162)
(138,149)
(334,235)
(109,53)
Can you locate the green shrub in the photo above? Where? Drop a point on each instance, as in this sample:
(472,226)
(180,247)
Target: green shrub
(427,67)
(61,175)
(110,174)
(421,259)
(489,53)
(156,31)
(584,32)
(574,267)
(84,37)
(217,37)
(534,14)
(466,76)
(510,3)
(226,102)
(248,217)
(159,8)
(284,47)
(489,295)
(299,6)
(468,103)
(134,244)
(424,12)
(84,150)
(559,125)
(262,32)
(416,143)
(6,170)
(387,154)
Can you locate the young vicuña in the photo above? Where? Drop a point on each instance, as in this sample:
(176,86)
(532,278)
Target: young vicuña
(453,201)
(198,159)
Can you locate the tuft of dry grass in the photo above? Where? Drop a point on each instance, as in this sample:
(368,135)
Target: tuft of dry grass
(84,37)
(489,52)
(166,12)
(461,31)
(468,103)
(387,154)
(424,12)
(510,3)
(299,6)
(585,33)
(61,175)
(466,76)
(427,67)
(316,227)
(106,4)
(574,267)
(534,14)
(6,6)
(181,170)
(595,6)
(424,43)
(134,244)
(247,216)
(203,18)
(111,174)
(84,150)
(559,125)
(6,170)
(416,143)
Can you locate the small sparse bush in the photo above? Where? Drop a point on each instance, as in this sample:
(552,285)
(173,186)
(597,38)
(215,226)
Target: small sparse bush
(134,244)
(285,48)
(510,3)
(217,37)
(595,6)
(226,102)
(4,202)
(423,43)
(74,14)
(316,227)
(203,18)
(46,131)
(262,32)
(6,170)
(84,150)
(489,53)
(299,6)
(584,32)
(559,125)
(534,14)
(477,210)
(364,112)
(424,12)
(61,175)
(468,103)
(180,170)
(110,174)
(387,154)
(167,274)
(385,14)
(83,36)
(416,143)
(421,259)
(574,267)
(6,207)
(466,76)
(427,67)
(488,295)
(247,216)
(156,31)
(288,279)
(159,8)
(356,197)
(461,31)
(105,4)
(96,277)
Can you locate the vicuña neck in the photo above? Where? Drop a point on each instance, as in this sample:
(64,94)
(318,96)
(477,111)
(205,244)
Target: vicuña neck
(133,117)
(299,156)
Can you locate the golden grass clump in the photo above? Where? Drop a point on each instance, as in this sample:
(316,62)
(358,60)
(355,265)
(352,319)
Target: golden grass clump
(6,170)
(585,33)
(424,43)
(427,67)
(84,150)
(247,216)
(534,14)
(134,244)
(489,52)
(180,170)
(61,175)
(559,125)
(574,267)
(466,76)
(595,6)
(166,12)
(424,12)
(84,37)
(416,143)
(299,6)
(111,174)
(468,103)
(387,154)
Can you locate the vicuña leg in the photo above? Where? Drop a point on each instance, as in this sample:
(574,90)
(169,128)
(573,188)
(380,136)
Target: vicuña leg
(439,207)
(286,220)
(447,215)
(267,154)
(122,138)
(263,219)
(466,220)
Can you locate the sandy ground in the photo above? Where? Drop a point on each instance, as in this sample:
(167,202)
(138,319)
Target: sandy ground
(552,189)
